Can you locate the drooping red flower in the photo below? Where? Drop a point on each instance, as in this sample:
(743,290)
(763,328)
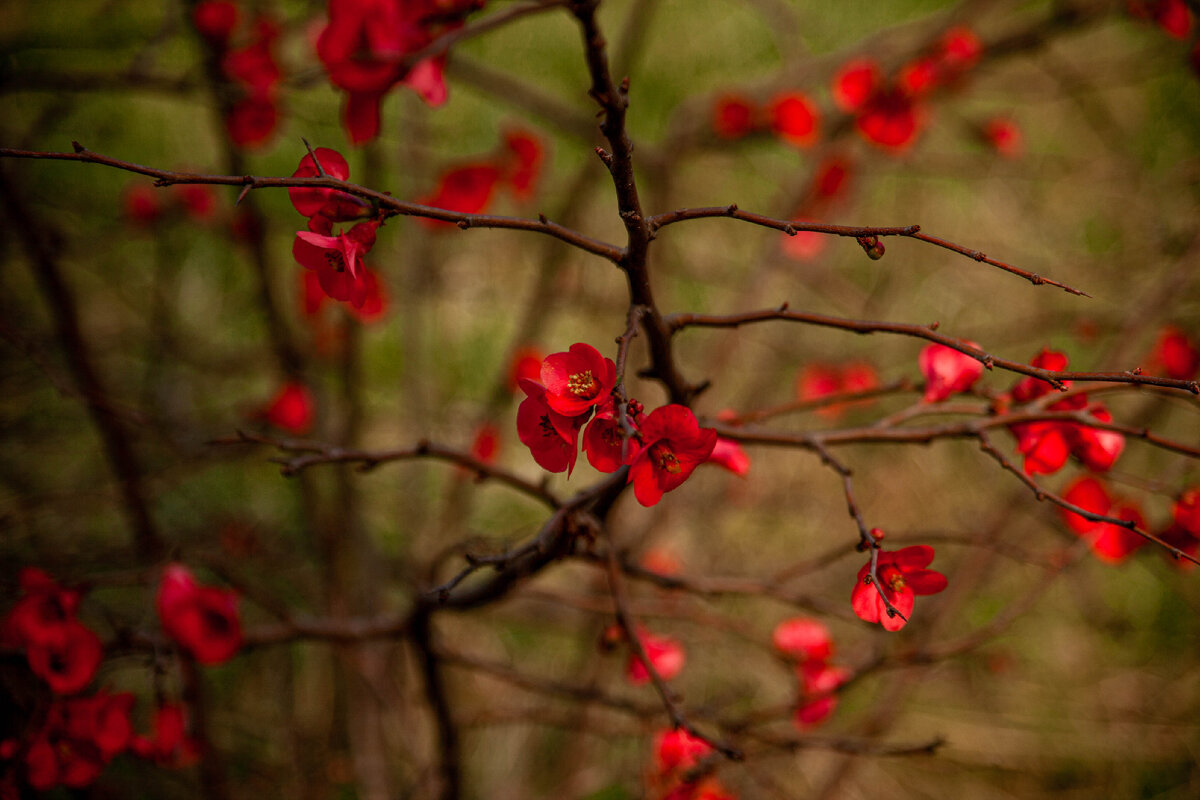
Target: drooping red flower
(676,754)
(673,445)
(68,661)
(1175,354)
(552,439)
(678,750)
(578,380)
(1031,388)
(203,620)
(819,681)
(466,189)
(730,455)
(523,165)
(1046,446)
(1097,449)
(329,203)
(947,371)
(902,576)
(733,116)
(293,409)
(1111,543)
(794,117)
(337,260)
(1004,136)
(168,745)
(803,639)
(664,652)
(604,439)
(215,20)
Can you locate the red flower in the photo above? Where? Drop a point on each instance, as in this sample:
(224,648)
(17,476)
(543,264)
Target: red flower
(676,754)
(524,163)
(552,438)
(1097,449)
(673,444)
(1004,136)
(1045,445)
(198,200)
(252,120)
(467,190)
(203,620)
(292,409)
(959,50)
(1175,354)
(42,612)
(329,203)
(805,245)
(678,751)
(729,455)
(854,83)
(254,67)
(68,660)
(831,179)
(578,380)
(1031,388)
(337,260)
(486,443)
(803,639)
(665,653)
(1173,16)
(604,439)
(1111,543)
(902,576)
(141,205)
(793,116)
(947,371)
(215,20)
(1184,532)
(169,745)
(526,363)
(818,682)
(733,117)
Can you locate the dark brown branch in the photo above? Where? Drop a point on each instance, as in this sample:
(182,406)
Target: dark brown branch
(678,322)
(388,205)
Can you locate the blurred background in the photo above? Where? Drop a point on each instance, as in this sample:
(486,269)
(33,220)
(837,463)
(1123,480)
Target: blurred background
(1064,141)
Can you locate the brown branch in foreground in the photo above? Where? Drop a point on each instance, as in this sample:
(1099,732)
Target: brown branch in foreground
(316,453)
(389,205)
(678,322)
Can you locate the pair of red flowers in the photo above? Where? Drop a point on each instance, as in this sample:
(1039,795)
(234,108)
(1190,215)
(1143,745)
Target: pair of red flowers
(807,643)
(662,448)
(792,116)
(60,649)
(678,756)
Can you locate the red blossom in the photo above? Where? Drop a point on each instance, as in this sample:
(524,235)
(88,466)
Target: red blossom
(818,683)
(198,200)
(1004,136)
(733,116)
(947,371)
(664,653)
(794,117)
(604,439)
(203,620)
(1176,354)
(804,245)
(168,745)
(902,576)
(254,67)
(1111,543)
(523,163)
(578,380)
(1184,531)
(141,205)
(329,203)
(467,190)
(67,662)
(1097,449)
(486,443)
(42,611)
(678,751)
(803,639)
(215,20)
(729,455)
(526,363)
(292,409)
(831,179)
(252,120)
(673,445)
(1031,388)
(676,754)
(552,439)
(885,115)
(1172,16)
(337,260)
(1046,446)
(854,83)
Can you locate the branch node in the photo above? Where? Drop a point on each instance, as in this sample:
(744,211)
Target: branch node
(731,209)
(464,224)
(933,326)
(789,230)
(605,156)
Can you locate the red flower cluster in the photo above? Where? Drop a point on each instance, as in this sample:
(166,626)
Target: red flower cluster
(77,739)
(469,188)
(335,260)
(947,371)
(808,643)
(1111,543)
(902,576)
(666,445)
(202,620)
(792,116)
(822,380)
(60,649)
(1046,446)
(252,69)
(890,113)
(366,46)
(677,755)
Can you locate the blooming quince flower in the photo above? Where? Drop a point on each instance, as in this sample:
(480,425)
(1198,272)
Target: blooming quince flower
(818,683)
(902,576)
(803,639)
(203,620)
(733,116)
(729,455)
(578,380)
(1111,543)
(947,371)
(552,439)
(885,115)
(1175,354)
(604,439)
(292,409)
(523,164)
(467,189)
(337,260)
(795,118)
(664,652)
(673,445)
(329,203)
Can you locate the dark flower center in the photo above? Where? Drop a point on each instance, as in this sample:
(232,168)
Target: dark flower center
(662,457)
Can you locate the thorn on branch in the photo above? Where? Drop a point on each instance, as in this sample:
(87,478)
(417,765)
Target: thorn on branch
(782,307)
(731,209)
(625,85)
(242,194)
(464,224)
(77,146)
(542,219)
(789,230)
